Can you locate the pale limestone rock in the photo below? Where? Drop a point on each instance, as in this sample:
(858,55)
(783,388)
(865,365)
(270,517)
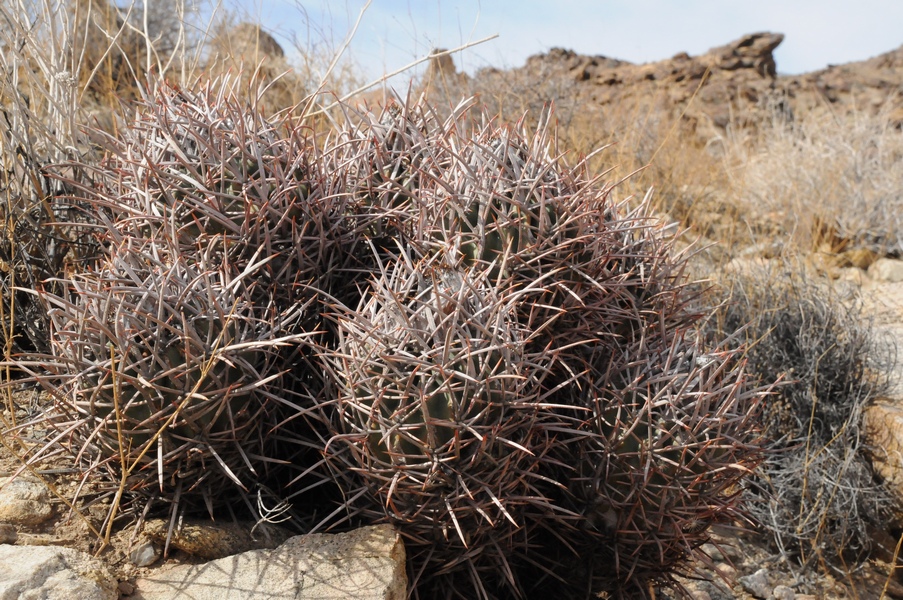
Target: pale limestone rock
(757,584)
(53,573)
(782,592)
(365,564)
(887,269)
(24,501)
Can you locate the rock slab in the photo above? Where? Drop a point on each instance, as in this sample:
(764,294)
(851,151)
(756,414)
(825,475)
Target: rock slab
(52,573)
(366,564)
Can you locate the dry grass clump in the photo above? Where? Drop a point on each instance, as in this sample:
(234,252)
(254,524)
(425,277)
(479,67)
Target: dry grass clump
(824,182)
(40,106)
(815,493)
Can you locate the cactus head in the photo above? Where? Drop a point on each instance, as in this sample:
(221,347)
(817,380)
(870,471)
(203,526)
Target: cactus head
(522,391)
(180,362)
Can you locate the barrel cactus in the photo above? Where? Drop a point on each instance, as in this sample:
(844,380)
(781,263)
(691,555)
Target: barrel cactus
(201,167)
(179,363)
(430,379)
(521,388)
(166,373)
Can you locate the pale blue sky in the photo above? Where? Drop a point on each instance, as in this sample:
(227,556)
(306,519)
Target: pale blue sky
(395,32)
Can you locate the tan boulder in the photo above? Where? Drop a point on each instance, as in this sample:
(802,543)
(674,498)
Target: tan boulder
(883,428)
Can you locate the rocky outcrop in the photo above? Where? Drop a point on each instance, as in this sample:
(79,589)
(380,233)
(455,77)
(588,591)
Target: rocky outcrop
(873,84)
(754,51)
(366,564)
(711,91)
(730,84)
(734,85)
(581,67)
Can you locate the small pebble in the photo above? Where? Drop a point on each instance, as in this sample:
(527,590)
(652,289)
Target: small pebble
(126,588)
(782,592)
(757,584)
(144,554)
(726,571)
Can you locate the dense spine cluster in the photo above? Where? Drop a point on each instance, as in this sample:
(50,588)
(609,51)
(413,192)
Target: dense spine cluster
(521,388)
(438,318)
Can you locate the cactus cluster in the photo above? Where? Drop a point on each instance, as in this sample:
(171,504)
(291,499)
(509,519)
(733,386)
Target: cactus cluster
(521,390)
(468,338)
